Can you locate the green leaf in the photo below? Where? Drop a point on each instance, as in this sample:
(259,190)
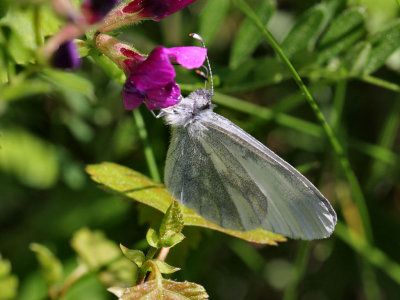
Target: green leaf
(152,238)
(67,80)
(51,265)
(3,67)
(94,249)
(357,57)
(17,50)
(249,36)
(211,17)
(171,240)
(136,256)
(39,169)
(21,23)
(171,226)
(384,44)
(162,289)
(8,282)
(134,185)
(25,88)
(165,268)
(305,32)
(172,221)
(344,31)
(49,22)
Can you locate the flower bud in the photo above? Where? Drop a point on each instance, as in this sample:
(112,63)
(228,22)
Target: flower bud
(138,10)
(66,56)
(125,56)
(95,10)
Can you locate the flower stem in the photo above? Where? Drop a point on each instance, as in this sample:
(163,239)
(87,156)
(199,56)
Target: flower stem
(344,163)
(148,151)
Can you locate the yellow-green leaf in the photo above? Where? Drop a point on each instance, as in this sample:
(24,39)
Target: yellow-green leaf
(39,169)
(94,248)
(136,256)
(172,223)
(162,289)
(8,282)
(51,265)
(136,186)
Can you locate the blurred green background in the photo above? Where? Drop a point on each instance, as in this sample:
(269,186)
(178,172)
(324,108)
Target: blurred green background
(53,123)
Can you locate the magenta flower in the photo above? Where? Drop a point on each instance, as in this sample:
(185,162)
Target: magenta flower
(66,56)
(138,10)
(95,10)
(153,80)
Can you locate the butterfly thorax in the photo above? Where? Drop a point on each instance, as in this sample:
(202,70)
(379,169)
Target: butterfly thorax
(189,109)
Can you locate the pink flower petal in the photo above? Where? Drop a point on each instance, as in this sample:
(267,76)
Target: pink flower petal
(155,9)
(163,97)
(155,72)
(188,57)
(132,97)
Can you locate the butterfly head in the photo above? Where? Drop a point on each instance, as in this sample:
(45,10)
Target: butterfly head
(190,108)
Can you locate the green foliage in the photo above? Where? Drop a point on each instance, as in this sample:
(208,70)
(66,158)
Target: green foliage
(51,267)
(8,282)
(156,287)
(248,36)
(344,55)
(211,17)
(40,170)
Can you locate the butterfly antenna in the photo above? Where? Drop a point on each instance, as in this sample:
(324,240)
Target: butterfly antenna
(198,37)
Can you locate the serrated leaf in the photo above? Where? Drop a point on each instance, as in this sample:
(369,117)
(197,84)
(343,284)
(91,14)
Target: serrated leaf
(152,238)
(50,264)
(305,32)
(70,81)
(172,221)
(249,36)
(344,31)
(162,289)
(211,17)
(8,282)
(169,241)
(134,185)
(39,169)
(93,248)
(384,44)
(136,256)
(162,266)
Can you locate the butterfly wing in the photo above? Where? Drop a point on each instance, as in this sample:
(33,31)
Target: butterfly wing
(230,178)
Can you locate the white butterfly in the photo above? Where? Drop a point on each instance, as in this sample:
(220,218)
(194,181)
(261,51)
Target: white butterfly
(233,180)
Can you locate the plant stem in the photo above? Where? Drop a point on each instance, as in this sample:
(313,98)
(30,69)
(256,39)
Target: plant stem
(298,270)
(142,271)
(371,254)
(148,151)
(37,25)
(163,254)
(352,179)
(380,82)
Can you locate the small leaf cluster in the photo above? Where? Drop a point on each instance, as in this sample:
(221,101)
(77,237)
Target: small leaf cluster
(150,284)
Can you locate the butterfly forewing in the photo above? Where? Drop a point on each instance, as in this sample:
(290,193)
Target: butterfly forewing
(230,178)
